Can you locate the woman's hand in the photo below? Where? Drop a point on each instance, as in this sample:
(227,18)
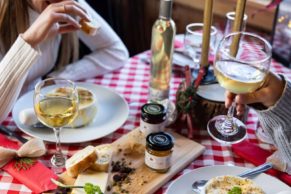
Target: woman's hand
(56,18)
(267,95)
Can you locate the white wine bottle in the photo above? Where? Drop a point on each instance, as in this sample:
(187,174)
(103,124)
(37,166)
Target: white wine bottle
(162,44)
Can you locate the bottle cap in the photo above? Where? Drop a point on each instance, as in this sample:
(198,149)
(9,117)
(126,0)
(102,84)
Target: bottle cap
(153,112)
(166,9)
(160,141)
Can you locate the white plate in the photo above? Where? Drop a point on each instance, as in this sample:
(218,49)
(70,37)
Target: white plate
(183,184)
(213,92)
(112,112)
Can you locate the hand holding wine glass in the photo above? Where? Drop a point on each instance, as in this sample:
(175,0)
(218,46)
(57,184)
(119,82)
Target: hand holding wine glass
(267,95)
(56,109)
(240,71)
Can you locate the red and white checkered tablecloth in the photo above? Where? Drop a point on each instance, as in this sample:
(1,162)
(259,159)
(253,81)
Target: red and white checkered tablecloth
(132,83)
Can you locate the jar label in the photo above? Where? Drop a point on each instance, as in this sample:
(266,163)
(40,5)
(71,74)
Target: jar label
(148,128)
(158,163)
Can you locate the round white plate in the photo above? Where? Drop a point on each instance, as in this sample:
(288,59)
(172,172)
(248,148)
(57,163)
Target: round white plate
(183,184)
(213,92)
(112,112)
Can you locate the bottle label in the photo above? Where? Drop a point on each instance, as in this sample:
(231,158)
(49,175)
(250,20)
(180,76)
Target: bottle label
(148,128)
(158,163)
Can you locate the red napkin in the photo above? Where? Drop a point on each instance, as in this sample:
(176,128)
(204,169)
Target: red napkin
(258,156)
(37,178)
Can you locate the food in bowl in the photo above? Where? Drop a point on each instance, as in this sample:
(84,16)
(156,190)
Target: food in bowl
(87,106)
(232,185)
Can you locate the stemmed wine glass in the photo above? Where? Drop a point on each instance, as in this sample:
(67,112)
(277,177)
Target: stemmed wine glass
(193,41)
(239,71)
(56,105)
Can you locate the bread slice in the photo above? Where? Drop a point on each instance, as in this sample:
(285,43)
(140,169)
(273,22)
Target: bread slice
(81,160)
(89,28)
(93,177)
(104,153)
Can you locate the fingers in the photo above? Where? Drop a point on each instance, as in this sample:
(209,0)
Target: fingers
(229,97)
(240,109)
(73,8)
(65,18)
(253,97)
(67,28)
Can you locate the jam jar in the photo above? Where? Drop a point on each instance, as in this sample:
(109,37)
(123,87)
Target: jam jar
(159,151)
(153,117)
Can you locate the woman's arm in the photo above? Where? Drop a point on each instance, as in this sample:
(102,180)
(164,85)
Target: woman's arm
(276,120)
(275,112)
(108,52)
(13,71)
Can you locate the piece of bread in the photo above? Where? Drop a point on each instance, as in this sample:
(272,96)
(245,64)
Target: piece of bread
(132,143)
(81,160)
(93,177)
(104,153)
(90,28)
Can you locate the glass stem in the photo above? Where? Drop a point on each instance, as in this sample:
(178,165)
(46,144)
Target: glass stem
(228,126)
(58,159)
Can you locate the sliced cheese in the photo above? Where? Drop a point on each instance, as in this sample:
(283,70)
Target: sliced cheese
(93,177)
(104,153)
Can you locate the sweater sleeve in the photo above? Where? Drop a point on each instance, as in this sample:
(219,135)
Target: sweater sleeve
(108,52)
(276,120)
(13,71)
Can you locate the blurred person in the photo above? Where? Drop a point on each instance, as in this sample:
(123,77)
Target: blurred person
(40,38)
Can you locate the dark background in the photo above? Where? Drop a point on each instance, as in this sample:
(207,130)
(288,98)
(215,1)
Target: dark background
(126,17)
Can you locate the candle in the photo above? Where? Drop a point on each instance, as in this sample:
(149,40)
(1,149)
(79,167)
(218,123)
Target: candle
(238,21)
(207,21)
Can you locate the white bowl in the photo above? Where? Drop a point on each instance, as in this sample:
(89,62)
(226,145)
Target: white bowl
(87,108)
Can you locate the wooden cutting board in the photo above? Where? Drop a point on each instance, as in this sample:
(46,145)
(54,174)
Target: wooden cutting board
(145,180)
(130,149)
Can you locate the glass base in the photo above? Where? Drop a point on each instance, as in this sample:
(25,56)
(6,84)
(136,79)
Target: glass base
(58,160)
(209,78)
(217,132)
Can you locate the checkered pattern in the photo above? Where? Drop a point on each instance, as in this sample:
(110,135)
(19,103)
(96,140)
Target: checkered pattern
(132,83)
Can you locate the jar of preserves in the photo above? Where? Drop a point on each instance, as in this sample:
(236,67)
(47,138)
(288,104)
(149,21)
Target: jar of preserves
(153,117)
(159,151)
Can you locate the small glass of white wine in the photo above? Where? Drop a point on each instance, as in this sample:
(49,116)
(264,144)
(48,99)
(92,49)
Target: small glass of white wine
(239,69)
(56,109)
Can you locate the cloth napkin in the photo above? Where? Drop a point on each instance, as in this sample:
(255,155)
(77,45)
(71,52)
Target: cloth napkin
(37,178)
(257,156)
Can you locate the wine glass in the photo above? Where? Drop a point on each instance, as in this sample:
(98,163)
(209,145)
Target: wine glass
(193,41)
(56,105)
(239,71)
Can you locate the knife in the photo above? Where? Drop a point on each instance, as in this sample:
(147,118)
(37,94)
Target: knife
(11,133)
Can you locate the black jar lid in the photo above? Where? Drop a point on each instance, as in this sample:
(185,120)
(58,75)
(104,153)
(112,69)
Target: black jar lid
(159,141)
(153,111)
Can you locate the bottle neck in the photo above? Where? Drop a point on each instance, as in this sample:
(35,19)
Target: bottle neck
(165,9)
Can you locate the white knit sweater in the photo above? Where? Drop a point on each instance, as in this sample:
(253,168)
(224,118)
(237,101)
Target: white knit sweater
(276,121)
(22,66)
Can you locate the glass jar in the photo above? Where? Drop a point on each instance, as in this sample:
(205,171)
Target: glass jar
(159,151)
(153,117)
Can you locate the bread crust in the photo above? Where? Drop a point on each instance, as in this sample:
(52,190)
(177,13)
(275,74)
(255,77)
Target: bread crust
(81,164)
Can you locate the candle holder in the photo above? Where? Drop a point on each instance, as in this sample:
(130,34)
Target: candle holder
(204,75)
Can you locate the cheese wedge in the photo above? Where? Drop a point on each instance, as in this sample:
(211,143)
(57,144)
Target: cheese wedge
(93,177)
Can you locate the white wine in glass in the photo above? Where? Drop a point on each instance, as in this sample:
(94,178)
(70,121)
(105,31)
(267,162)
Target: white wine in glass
(55,109)
(240,71)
